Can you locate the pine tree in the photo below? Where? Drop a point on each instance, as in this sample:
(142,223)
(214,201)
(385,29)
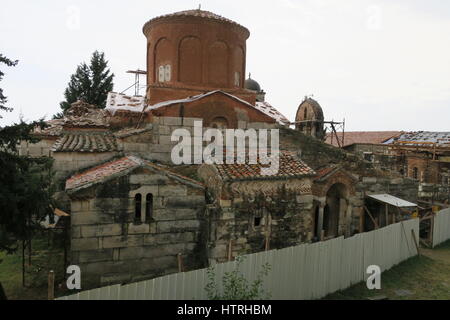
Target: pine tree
(89,83)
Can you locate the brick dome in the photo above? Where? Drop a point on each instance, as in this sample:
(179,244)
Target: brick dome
(195,49)
(194,13)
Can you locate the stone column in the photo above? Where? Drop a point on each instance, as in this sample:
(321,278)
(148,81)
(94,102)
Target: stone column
(143,207)
(349,220)
(319,226)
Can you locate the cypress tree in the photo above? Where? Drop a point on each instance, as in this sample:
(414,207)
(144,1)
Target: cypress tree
(89,83)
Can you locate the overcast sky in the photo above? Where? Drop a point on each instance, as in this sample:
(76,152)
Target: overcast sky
(380,64)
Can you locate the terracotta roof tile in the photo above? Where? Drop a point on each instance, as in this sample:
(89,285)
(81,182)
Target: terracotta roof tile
(365,137)
(117,167)
(99,173)
(86,142)
(127,132)
(194,13)
(289,167)
(54,129)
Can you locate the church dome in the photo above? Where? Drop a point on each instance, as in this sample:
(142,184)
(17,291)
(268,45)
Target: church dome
(196,13)
(251,84)
(309,109)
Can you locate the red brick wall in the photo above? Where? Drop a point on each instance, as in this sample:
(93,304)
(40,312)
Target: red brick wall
(320,189)
(214,106)
(200,51)
(428,171)
(158,94)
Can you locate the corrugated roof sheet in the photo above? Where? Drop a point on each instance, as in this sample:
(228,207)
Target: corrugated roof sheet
(119,101)
(440,138)
(289,167)
(86,142)
(392,200)
(363,137)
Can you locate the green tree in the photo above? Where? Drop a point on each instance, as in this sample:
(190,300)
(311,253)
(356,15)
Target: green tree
(25,182)
(236,286)
(3,99)
(89,83)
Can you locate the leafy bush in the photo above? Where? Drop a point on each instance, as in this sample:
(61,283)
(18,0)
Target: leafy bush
(236,286)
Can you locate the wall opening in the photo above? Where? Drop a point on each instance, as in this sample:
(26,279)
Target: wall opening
(137,207)
(335,208)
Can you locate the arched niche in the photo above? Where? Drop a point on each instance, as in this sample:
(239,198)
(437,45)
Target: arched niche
(162,53)
(218,64)
(190,60)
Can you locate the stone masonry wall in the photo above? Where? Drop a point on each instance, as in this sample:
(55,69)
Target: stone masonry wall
(161,145)
(110,246)
(244,222)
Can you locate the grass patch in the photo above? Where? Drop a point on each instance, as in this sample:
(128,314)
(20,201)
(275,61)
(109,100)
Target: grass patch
(42,261)
(425,277)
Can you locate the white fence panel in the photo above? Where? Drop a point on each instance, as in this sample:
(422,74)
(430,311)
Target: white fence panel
(441,227)
(306,271)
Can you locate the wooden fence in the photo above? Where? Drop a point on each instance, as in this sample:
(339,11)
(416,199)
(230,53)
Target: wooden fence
(307,271)
(441,227)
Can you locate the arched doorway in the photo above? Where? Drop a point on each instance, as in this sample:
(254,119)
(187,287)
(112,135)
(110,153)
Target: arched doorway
(335,209)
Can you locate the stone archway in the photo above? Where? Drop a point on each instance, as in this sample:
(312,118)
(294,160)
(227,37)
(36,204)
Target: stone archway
(335,209)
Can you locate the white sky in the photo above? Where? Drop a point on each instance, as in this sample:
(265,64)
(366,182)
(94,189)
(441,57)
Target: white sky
(380,64)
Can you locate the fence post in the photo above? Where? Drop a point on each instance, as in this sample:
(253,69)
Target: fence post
(230,250)
(51,285)
(180,263)
(432,229)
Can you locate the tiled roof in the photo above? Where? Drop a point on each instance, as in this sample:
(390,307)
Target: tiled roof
(86,142)
(266,108)
(363,137)
(99,173)
(54,129)
(415,138)
(289,167)
(118,167)
(84,115)
(324,171)
(171,172)
(127,132)
(194,13)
